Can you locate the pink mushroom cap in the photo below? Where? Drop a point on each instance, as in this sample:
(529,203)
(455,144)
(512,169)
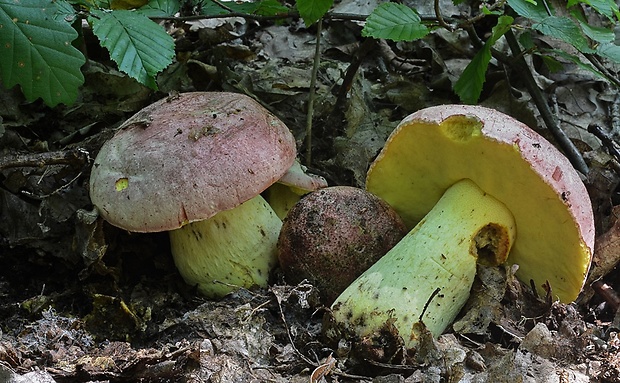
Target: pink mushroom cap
(186,158)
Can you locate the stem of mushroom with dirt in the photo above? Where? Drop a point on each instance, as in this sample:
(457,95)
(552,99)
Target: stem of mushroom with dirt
(466,226)
(235,248)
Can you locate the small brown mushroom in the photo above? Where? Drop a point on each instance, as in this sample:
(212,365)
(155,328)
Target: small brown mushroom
(332,235)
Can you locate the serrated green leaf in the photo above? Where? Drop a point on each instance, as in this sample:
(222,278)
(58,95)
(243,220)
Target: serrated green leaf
(64,11)
(160,8)
(140,47)
(532,10)
(469,86)
(607,8)
(312,10)
(609,51)
(598,34)
(37,53)
(395,22)
(564,29)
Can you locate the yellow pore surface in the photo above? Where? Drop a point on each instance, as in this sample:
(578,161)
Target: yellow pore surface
(421,160)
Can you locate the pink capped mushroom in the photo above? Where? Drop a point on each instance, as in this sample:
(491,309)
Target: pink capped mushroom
(195,165)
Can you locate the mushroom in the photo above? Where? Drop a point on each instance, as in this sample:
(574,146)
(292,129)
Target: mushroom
(333,235)
(289,189)
(470,179)
(195,165)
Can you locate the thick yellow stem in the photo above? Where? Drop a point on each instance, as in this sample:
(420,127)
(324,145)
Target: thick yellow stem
(235,248)
(428,275)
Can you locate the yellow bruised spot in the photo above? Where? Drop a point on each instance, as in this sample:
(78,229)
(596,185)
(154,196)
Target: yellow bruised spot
(461,128)
(121,184)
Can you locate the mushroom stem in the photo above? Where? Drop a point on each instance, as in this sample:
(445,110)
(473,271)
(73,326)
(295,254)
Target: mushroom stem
(235,248)
(440,253)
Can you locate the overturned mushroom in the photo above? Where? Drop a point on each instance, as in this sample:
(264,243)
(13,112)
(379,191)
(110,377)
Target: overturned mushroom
(467,177)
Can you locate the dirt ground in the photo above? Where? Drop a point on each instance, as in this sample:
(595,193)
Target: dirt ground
(83,301)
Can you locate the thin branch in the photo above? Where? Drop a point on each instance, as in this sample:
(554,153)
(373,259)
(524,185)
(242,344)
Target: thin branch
(312,92)
(347,81)
(39,160)
(520,65)
(440,18)
(250,16)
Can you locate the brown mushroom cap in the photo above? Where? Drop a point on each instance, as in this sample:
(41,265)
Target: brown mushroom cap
(333,235)
(435,147)
(185,158)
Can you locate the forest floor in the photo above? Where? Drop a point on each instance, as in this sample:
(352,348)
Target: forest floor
(83,301)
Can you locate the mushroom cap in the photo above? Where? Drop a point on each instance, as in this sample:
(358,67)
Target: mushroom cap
(300,181)
(333,235)
(187,157)
(435,147)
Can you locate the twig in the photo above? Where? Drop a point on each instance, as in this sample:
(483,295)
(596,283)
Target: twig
(608,294)
(613,148)
(520,65)
(312,92)
(440,18)
(249,16)
(614,111)
(333,370)
(38,160)
(347,82)
(223,6)
(482,15)
(609,75)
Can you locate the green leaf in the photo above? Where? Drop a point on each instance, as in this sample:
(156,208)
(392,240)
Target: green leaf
(598,34)
(394,22)
(552,64)
(160,8)
(526,40)
(469,86)
(64,11)
(607,8)
(211,8)
(576,60)
(270,8)
(564,29)
(140,47)
(36,52)
(609,51)
(312,10)
(529,9)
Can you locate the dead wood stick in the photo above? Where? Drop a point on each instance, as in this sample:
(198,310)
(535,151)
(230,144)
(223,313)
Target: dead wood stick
(520,65)
(38,160)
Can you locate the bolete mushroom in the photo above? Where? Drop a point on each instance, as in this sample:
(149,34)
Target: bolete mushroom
(195,165)
(467,177)
(289,189)
(333,235)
